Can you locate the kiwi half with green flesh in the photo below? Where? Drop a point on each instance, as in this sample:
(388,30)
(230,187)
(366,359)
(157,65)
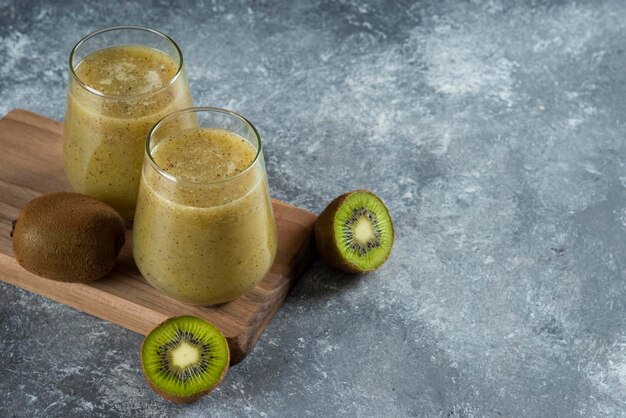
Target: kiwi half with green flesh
(355,232)
(184,358)
(68,237)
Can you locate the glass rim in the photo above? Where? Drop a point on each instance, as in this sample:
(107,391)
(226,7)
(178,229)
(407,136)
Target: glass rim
(199,109)
(115,28)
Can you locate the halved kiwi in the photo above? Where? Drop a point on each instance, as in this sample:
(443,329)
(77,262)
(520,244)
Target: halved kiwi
(184,358)
(355,232)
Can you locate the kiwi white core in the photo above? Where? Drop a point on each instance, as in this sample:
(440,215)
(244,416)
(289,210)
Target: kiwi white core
(363,231)
(185,355)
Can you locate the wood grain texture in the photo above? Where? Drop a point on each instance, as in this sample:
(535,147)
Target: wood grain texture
(31,164)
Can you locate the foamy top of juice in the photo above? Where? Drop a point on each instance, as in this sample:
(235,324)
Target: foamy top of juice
(204,155)
(126,70)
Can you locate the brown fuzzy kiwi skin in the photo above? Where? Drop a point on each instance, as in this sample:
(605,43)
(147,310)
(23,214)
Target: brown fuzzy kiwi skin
(68,237)
(181,399)
(325,240)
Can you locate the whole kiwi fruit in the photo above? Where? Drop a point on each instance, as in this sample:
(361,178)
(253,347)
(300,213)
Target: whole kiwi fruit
(355,233)
(184,358)
(68,237)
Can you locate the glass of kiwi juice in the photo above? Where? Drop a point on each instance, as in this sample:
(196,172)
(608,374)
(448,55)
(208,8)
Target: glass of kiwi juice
(122,81)
(204,230)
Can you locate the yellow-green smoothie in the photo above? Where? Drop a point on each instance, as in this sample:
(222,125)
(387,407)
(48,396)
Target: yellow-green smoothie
(117,96)
(204,231)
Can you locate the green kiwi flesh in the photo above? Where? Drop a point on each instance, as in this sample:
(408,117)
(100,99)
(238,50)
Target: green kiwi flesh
(184,358)
(355,232)
(68,237)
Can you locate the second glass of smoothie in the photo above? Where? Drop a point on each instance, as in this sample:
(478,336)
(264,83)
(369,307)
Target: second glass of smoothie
(204,229)
(123,80)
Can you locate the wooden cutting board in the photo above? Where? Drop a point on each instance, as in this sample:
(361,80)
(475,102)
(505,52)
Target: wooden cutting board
(31,164)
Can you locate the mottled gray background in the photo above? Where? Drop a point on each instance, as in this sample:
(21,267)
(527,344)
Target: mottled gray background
(495,132)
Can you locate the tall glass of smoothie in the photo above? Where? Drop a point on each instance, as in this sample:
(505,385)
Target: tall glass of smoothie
(204,229)
(122,81)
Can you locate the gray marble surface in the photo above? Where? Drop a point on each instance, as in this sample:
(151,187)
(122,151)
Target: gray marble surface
(494,131)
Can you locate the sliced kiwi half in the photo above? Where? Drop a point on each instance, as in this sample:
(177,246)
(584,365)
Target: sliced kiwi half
(355,232)
(184,358)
